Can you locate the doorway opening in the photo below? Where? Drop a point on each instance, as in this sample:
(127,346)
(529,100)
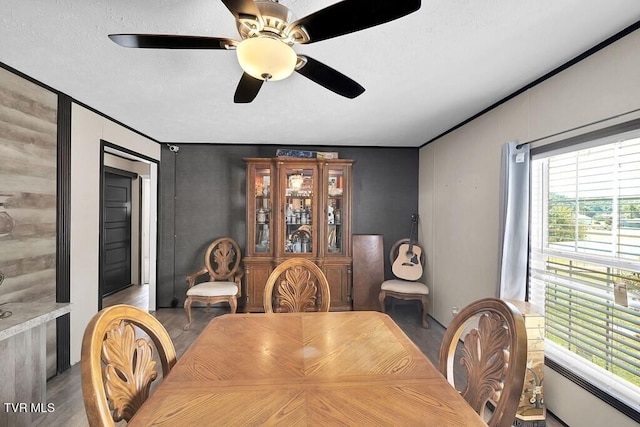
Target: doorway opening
(128,246)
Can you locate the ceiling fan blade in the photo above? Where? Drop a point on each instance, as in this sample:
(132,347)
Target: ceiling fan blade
(164,41)
(349,16)
(242,8)
(247,89)
(329,78)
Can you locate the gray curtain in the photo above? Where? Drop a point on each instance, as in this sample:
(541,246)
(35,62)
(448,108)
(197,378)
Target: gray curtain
(514,221)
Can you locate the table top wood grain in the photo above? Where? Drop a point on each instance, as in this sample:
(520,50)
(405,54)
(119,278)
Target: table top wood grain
(301,369)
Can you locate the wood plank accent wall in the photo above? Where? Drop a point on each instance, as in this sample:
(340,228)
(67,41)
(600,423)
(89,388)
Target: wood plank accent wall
(28,180)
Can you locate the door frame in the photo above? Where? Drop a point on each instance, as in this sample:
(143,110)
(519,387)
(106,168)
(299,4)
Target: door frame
(110,148)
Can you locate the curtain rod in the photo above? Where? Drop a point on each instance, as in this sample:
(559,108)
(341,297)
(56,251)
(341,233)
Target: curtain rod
(519,146)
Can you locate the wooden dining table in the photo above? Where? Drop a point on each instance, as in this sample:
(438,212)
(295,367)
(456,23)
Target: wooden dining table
(303,369)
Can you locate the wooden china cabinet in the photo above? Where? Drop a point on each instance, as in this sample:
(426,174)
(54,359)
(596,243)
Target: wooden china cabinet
(298,207)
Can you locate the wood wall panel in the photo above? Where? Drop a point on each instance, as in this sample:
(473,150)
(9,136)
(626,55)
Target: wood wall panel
(368,270)
(24,157)
(28,182)
(13,134)
(29,287)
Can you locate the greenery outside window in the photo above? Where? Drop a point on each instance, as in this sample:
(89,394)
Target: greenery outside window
(584,266)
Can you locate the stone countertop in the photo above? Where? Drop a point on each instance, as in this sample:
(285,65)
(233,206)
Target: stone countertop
(27,315)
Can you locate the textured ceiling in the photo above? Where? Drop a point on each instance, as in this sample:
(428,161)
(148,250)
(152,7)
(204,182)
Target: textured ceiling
(423,73)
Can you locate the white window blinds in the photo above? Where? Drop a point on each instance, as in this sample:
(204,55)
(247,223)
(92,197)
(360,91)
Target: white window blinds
(584,264)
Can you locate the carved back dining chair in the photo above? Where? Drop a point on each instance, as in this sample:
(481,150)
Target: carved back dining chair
(296,285)
(222,264)
(494,356)
(405,289)
(118,369)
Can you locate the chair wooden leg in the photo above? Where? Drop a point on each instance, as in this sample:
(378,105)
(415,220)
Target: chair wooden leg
(187,309)
(381,296)
(425,302)
(233,303)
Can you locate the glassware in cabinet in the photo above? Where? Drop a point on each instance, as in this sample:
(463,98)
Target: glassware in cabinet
(335,209)
(262,208)
(298,211)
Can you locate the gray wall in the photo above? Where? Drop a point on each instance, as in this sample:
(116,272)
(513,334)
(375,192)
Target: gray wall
(210,202)
(202,197)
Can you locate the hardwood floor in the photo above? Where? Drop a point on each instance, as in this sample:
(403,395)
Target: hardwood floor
(135,295)
(64,390)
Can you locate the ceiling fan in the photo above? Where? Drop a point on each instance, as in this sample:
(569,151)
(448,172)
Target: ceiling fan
(268,31)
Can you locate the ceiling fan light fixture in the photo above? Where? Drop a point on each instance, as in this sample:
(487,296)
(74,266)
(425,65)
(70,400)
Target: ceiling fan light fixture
(266,58)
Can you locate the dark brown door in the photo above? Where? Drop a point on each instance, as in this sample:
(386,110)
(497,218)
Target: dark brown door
(116,232)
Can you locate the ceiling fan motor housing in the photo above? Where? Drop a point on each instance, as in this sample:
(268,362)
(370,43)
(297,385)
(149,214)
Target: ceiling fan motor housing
(275,21)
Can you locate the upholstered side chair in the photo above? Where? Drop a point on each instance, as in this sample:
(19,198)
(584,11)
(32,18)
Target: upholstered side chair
(296,285)
(117,367)
(494,357)
(405,289)
(222,264)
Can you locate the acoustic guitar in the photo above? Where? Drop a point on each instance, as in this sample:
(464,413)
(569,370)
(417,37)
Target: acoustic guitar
(407,264)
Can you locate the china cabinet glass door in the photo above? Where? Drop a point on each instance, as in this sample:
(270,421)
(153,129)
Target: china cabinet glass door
(262,242)
(299,186)
(336,196)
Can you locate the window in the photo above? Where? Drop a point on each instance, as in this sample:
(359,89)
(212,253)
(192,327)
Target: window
(584,266)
